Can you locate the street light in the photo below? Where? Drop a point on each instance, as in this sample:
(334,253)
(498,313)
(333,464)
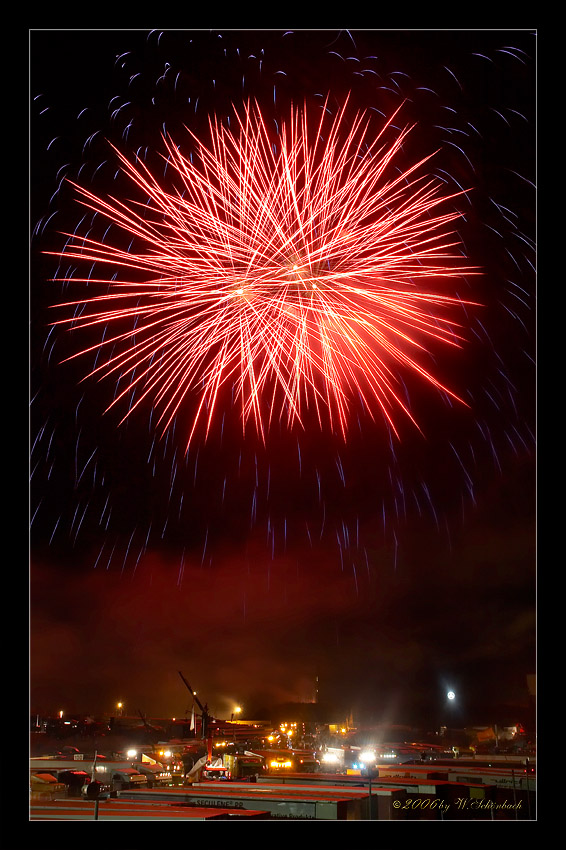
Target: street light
(451,695)
(368,760)
(237,710)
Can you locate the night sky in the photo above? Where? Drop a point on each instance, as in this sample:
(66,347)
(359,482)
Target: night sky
(390,568)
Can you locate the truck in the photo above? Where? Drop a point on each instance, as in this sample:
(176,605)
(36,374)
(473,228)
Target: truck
(155,773)
(288,761)
(230,767)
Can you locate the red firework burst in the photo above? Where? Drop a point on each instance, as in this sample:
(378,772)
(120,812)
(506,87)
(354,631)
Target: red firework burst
(289,268)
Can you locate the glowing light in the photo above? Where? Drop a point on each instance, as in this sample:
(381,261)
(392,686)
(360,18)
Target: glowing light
(334,251)
(451,695)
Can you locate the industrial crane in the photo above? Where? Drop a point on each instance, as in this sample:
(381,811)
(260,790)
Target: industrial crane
(205,716)
(241,766)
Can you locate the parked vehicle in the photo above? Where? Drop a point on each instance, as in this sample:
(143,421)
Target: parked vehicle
(45,786)
(74,780)
(75,773)
(290,761)
(235,767)
(155,774)
(126,777)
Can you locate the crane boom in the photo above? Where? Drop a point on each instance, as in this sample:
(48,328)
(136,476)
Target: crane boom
(193,694)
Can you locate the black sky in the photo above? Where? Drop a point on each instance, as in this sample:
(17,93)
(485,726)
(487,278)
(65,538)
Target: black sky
(388,569)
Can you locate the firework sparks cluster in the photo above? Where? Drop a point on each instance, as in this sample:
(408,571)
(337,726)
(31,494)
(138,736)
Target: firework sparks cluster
(295,267)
